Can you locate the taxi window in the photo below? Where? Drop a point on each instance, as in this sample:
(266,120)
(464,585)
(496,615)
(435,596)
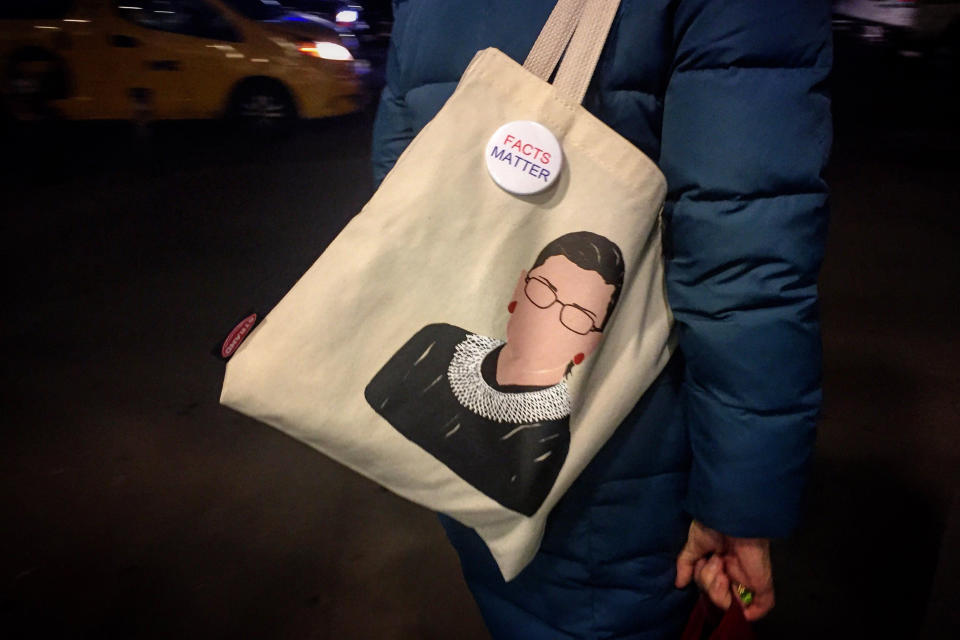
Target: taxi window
(34,9)
(258,9)
(186,17)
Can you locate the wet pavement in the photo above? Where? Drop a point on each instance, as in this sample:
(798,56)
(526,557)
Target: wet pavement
(134,506)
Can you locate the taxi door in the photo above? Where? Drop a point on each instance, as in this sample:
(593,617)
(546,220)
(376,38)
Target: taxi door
(160,46)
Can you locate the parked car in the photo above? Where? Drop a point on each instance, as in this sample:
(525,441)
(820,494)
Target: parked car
(911,27)
(169,59)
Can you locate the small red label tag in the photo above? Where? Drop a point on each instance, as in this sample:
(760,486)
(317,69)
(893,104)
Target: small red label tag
(236,336)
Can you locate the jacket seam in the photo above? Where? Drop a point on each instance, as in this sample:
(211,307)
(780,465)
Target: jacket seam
(743,197)
(642,478)
(769,303)
(794,411)
(736,67)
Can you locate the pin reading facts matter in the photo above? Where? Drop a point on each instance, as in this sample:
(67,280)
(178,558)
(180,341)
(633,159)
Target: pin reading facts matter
(523,157)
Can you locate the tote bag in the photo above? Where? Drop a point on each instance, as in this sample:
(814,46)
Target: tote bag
(469,348)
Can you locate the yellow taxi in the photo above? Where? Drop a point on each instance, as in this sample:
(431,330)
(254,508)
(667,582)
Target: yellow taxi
(171,59)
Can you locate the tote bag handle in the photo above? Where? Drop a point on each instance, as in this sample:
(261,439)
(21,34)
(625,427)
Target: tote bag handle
(584,25)
(553,38)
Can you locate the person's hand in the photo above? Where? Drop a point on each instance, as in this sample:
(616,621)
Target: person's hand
(718,562)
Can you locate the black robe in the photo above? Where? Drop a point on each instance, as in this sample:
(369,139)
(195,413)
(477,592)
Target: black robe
(516,464)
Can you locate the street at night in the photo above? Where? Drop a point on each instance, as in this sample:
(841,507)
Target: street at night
(135,506)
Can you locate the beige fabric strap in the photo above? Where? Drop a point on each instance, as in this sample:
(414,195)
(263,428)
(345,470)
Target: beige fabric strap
(554,37)
(582,55)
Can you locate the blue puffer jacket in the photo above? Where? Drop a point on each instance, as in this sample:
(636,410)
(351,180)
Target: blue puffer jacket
(729,98)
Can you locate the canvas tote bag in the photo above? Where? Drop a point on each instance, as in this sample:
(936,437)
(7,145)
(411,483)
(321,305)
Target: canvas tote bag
(470,348)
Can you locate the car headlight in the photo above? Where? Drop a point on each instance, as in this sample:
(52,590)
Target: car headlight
(348,16)
(326,50)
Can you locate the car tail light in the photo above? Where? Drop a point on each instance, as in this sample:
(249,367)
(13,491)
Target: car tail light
(325,50)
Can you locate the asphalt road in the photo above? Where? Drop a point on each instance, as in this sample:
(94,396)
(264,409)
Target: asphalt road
(134,506)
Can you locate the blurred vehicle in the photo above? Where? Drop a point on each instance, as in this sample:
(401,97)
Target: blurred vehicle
(169,59)
(344,14)
(911,27)
(367,24)
(305,25)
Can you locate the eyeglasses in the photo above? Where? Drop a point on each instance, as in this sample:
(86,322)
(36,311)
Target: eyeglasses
(542,294)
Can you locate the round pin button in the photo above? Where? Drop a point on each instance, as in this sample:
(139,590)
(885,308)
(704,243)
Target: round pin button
(523,157)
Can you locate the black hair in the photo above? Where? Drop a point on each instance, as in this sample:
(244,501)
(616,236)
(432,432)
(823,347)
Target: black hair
(592,252)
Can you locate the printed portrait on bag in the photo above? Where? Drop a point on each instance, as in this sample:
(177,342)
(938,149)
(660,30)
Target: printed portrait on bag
(497,413)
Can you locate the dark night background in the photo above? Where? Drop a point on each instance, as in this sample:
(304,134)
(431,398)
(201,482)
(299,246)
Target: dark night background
(134,506)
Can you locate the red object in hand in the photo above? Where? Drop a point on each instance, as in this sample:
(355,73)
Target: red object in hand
(707,622)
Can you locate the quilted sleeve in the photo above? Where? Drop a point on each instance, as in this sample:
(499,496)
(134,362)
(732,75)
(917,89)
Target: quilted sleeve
(392,128)
(746,136)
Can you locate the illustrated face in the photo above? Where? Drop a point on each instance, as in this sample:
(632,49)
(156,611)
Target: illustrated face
(560,308)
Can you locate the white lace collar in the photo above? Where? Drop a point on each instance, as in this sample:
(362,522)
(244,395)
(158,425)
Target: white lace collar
(473,392)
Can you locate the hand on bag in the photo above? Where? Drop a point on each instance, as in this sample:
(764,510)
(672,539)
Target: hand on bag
(718,562)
